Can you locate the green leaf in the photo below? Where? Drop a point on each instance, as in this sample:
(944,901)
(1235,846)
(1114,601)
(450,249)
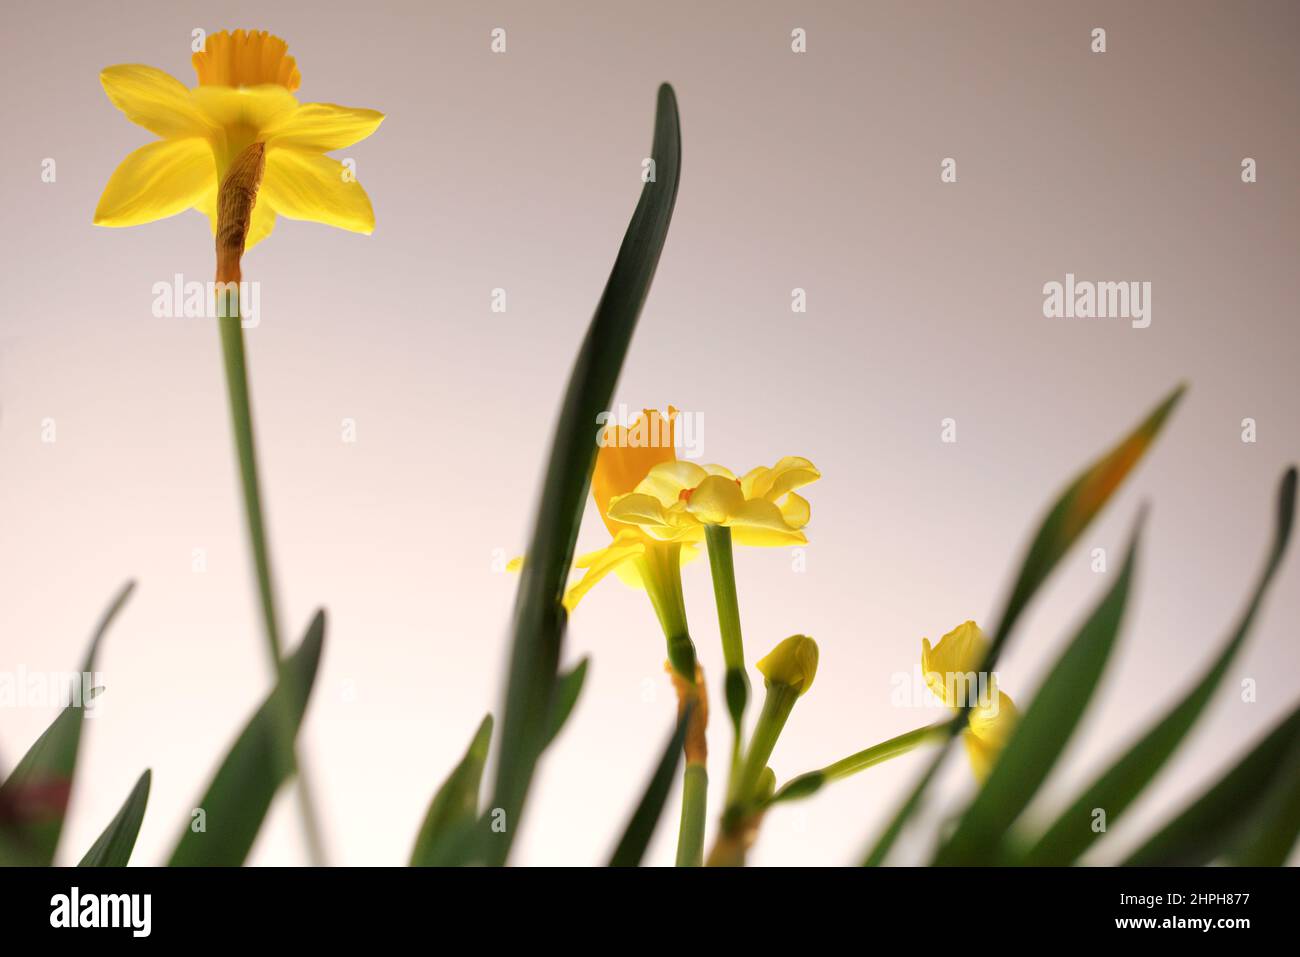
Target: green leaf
(34,799)
(1271,831)
(241,791)
(1211,825)
(114,846)
(449,824)
(539,618)
(636,837)
(567,688)
(1043,730)
(1120,785)
(1072,512)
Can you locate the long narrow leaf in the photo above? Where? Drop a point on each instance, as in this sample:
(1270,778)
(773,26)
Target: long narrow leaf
(1207,827)
(1043,730)
(449,823)
(636,837)
(1072,512)
(225,822)
(34,799)
(1112,792)
(114,846)
(567,689)
(539,618)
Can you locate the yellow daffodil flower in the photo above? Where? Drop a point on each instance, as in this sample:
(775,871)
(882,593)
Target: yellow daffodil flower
(626,456)
(676,500)
(951,673)
(244,96)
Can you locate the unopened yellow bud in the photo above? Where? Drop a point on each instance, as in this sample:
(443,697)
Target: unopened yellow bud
(793,663)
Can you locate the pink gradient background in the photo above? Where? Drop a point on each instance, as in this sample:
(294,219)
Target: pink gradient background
(520,171)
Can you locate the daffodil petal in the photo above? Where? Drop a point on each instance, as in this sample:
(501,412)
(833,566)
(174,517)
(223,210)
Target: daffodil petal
(157,181)
(250,109)
(759,523)
(637,508)
(667,480)
(720,470)
(307,186)
(951,667)
(716,500)
(795,510)
(322,127)
(599,564)
(790,473)
(155,100)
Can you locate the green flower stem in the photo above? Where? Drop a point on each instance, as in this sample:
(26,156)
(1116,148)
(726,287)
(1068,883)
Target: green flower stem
(776,710)
(241,418)
(736,681)
(690,837)
(810,782)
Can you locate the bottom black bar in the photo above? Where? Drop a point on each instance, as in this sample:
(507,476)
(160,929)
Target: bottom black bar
(304,906)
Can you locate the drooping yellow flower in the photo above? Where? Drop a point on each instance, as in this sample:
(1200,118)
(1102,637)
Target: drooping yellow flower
(244,96)
(951,673)
(626,455)
(676,500)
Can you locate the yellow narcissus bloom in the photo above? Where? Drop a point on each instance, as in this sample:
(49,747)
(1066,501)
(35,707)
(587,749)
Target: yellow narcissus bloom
(951,673)
(626,456)
(244,96)
(676,500)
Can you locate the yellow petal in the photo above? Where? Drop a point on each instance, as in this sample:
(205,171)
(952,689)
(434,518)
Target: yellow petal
(246,58)
(950,667)
(795,510)
(155,100)
(157,181)
(599,564)
(307,186)
(717,500)
(760,523)
(988,733)
(637,508)
(720,470)
(790,473)
(244,112)
(667,480)
(321,127)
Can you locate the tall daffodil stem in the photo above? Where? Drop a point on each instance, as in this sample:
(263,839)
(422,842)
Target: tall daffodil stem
(776,711)
(695,796)
(236,199)
(241,418)
(693,695)
(736,682)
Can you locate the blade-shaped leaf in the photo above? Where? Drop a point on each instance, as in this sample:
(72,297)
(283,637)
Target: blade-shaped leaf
(1072,512)
(1207,828)
(567,689)
(539,618)
(34,799)
(449,824)
(236,802)
(636,837)
(114,846)
(1043,730)
(1271,831)
(1112,792)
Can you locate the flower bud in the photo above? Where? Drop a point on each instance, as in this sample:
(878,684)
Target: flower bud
(792,663)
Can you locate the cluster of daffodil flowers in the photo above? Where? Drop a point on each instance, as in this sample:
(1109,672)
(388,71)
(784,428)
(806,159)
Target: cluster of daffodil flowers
(658,511)
(240,149)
